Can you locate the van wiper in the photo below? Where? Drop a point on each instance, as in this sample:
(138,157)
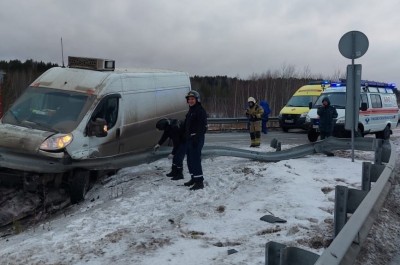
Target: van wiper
(15,116)
(47,127)
(42,126)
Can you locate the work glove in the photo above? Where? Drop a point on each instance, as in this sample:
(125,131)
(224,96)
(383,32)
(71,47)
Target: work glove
(156,147)
(170,156)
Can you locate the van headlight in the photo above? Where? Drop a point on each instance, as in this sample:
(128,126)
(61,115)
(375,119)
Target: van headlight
(308,119)
(56,142)
(340,120)
(304,114)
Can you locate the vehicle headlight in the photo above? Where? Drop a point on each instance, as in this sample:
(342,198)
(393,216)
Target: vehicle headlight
(280,116)
(56,142)
(303,114)
(308,119)
(340,120)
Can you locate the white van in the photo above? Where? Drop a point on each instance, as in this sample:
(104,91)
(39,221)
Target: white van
(378,111)
(73,121)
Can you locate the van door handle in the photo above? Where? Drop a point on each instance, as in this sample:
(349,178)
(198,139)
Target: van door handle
(118,133)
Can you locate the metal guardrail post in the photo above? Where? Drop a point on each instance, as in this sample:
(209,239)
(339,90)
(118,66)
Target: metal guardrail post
(370,173)
(340,212)
(378,151)
(280,254)
(273,253)
(346,201)
(366,176)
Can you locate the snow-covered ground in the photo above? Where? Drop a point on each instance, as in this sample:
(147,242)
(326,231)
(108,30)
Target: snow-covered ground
(140,216)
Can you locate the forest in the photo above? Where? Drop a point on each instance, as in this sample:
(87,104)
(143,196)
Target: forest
(222,96)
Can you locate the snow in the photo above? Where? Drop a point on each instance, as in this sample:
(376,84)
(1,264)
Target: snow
(140,216)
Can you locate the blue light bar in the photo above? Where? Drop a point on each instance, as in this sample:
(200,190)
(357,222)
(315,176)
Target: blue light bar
(366,83)
(338,84)
(319,82)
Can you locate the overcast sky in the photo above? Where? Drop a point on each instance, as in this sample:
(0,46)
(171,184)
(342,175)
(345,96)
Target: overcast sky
(219,37)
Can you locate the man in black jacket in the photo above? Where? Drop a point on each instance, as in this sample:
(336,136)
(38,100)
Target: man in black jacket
(327,114)
(173,129)
(195,128)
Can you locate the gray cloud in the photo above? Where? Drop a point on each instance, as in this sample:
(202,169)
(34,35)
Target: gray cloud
(231,37)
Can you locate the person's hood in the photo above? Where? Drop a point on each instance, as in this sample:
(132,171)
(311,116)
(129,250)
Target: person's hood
(327,100)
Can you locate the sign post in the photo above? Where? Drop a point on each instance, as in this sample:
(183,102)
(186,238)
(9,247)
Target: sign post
(353,45)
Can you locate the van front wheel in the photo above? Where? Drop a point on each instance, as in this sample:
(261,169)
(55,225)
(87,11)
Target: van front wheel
(312,135)
(79,185)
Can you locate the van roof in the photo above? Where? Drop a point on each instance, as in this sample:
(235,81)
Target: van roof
(89,81)
(310,89)
(389,89)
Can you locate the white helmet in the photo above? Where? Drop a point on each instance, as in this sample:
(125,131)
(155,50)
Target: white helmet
(251,99)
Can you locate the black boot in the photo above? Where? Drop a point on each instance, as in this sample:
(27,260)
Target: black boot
(189,183)
(173,172)
(197,186)
(178,175)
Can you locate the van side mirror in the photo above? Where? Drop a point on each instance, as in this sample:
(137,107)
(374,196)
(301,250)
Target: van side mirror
(310,105)
(364,106)
(97,128)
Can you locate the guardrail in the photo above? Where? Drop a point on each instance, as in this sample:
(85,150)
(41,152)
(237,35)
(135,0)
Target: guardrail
(235,120)
(363,204)
(347,244)
(237,123)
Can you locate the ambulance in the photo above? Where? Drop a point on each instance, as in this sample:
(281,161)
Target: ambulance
(378,110)
(74,122)
(293,114)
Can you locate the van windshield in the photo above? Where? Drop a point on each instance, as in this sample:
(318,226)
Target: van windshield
(301,101)
(48,109)
(337,99)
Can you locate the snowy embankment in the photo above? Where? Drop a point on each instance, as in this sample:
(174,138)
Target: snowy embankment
(140,216)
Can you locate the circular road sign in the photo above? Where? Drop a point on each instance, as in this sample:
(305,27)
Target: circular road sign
(353,44)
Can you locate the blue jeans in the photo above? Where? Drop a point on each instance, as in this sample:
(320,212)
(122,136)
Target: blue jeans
(193,156)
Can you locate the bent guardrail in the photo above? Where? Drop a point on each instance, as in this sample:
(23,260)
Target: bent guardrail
(364,207)
(238,123)
(235,120)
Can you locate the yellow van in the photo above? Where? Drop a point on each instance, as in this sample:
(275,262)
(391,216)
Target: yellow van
(293,114)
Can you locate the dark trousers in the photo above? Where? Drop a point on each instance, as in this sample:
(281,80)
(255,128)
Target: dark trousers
(324,135)
(264,128)
(179,155)
(193,157)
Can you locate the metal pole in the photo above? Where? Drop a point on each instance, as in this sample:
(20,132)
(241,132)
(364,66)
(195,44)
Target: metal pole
(354,87)
(354,113)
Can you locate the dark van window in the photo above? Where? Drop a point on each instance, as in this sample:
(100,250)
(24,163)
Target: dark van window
(108,110)
(376,101)
(364,99)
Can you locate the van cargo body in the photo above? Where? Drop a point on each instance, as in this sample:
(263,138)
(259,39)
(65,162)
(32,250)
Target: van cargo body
(75,121)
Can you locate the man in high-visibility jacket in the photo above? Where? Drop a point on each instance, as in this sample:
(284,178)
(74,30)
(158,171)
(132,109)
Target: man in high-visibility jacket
(254,113)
